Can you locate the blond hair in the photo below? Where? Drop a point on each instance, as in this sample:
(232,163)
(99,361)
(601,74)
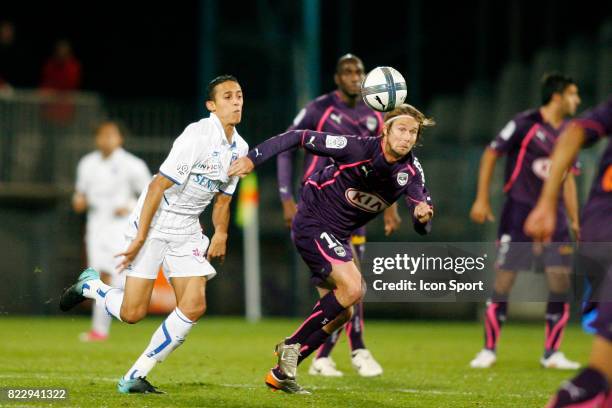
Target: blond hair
(409,110)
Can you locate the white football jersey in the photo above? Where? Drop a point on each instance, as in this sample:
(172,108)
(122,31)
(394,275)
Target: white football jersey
(197,164)
(110,184)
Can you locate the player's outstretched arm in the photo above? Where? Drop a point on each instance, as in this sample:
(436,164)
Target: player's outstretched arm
(481,209)
(158,185)
(220,219)
(341,148)
(419,201)
(540,224)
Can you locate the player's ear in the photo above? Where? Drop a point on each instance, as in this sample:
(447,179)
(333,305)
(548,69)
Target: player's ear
(385,130)
(336,79)
(210,105)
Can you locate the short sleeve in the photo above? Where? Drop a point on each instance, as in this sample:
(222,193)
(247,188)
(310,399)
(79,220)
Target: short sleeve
(306,118)
(508,138)
(182,156)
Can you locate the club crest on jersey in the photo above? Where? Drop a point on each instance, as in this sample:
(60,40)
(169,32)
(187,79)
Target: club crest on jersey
(340,251)
(371,123)
(541,167)
(335,142)
(402,178)
(368,202)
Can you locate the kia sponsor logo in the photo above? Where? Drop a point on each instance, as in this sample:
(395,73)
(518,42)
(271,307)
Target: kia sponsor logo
(369,202)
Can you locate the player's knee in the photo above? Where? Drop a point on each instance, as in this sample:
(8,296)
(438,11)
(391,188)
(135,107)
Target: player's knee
(133,315)
(354,292)
(193,310)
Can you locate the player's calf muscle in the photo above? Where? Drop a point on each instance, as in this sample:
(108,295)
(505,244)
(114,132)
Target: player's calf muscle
(339,321)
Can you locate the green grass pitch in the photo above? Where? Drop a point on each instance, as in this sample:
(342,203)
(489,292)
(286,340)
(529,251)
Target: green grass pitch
(224,360)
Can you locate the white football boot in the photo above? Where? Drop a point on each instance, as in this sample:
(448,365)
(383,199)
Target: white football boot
(559,361)
(484,359)
(325,367)
(365,364)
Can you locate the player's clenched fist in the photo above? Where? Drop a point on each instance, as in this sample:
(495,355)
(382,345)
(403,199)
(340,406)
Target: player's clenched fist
(423,212)
(481,212)
(241,167)
(540,224)
(217,247)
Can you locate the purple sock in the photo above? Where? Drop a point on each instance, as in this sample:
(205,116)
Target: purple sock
(590,386)
(495,316)
(327,310)
(354,328)
(327,347)
(315,340)
(557,316)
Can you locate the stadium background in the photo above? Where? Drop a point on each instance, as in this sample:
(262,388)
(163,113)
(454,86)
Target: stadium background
(470,66)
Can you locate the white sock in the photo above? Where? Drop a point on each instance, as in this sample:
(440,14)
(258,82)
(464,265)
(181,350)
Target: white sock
(95,289)
(118,280)
(168,336)
(112,301)
(101,321)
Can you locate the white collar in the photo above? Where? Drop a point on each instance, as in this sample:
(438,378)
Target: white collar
(220,128)
(117,152)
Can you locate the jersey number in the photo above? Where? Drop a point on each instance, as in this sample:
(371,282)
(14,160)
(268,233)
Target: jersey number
(331,240)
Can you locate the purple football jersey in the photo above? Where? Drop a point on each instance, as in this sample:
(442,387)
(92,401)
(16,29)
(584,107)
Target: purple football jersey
(597,213)
(327,113)
(527,141)
(358,184)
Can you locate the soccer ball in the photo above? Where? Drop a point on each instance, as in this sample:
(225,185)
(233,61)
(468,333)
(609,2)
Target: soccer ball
(383,89)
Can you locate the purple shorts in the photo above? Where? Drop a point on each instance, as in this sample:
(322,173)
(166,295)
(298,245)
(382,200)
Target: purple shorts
(319,247)
(520,257)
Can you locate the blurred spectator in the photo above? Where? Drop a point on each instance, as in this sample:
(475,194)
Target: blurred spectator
(9,56)
(62,71)
(61,75)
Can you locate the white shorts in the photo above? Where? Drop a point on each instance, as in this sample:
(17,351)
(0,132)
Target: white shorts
(179,255)
(103,244)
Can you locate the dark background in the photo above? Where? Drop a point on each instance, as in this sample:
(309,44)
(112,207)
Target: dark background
(131,49)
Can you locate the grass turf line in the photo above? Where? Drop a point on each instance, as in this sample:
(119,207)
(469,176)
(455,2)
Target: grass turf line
(224,360)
